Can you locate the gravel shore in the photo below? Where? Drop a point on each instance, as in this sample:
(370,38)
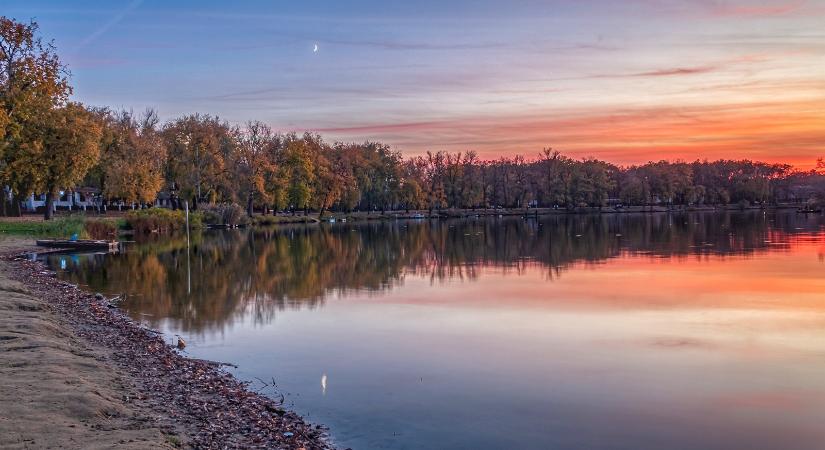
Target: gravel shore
(77,373)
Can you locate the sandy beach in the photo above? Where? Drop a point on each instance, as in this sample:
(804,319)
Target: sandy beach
(76,373)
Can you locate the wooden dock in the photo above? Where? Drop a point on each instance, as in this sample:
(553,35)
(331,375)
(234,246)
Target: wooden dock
(109,246)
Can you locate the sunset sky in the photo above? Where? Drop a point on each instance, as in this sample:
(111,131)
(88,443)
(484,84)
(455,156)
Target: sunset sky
(625,81)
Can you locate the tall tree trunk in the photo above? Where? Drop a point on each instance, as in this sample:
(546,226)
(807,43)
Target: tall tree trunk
(17,200)
(49,213)
(249,206)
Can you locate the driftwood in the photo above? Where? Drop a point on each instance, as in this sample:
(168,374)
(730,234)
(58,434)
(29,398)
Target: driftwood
(214,363)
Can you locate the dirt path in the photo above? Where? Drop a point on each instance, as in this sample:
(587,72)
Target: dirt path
(75,373)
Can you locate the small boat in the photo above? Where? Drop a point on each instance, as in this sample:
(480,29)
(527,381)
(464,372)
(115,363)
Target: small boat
(79,244)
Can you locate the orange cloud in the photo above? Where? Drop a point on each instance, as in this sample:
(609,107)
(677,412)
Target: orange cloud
(792,132)
(759,10)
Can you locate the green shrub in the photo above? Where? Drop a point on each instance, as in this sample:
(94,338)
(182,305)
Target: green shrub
(161,220)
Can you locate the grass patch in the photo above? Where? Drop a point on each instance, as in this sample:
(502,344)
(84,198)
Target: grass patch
(64,227)
(60,227)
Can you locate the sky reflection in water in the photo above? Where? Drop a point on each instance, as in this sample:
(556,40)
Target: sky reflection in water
(680,331)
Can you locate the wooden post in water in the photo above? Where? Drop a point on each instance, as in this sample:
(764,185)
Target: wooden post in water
(186,206)
(188,264)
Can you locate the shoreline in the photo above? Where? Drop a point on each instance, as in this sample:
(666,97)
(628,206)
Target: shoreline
(160,399)
(459,213)
(299,217)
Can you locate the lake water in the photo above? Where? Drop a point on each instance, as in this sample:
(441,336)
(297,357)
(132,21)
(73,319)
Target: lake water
(680,331)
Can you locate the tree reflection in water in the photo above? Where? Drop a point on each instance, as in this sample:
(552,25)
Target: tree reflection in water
(228,274)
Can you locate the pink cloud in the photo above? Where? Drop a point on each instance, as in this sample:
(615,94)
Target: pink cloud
(676,71)
(761,10)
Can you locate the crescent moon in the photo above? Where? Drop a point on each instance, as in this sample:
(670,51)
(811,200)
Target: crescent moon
(315,49)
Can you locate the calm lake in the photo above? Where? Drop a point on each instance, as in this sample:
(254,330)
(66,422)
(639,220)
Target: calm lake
(678,331)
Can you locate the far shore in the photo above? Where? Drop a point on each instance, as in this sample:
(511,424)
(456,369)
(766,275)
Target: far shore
(77,373)
(455,213)
(268,218)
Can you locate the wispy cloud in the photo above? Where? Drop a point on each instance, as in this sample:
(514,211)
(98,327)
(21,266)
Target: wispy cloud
(692,70)
(96,63)
(108,25)
(675,71)
(761,10)
(400,45)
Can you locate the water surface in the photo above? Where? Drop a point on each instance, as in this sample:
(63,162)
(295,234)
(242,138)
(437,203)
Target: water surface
(674,331)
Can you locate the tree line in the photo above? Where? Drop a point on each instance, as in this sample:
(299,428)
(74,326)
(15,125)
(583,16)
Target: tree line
(51,144)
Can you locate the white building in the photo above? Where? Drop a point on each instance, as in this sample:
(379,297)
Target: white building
(77,200)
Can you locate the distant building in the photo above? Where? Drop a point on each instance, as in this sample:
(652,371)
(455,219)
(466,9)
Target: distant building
(163,200)
(78,199)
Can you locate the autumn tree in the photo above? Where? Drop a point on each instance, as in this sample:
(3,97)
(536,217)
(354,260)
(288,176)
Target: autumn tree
(256,164)
(329,179)
(297,169)
(592,182)
(132,156)
(345,160)
(522,181)
(199,155)
(633,187)
(453,177)
(377,173)
(552,165)
(412,196)
(33,82)
(327,185)
(70,146)
(472,192)
(434,168)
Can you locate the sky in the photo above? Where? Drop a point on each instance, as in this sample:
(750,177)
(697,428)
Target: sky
(624,81)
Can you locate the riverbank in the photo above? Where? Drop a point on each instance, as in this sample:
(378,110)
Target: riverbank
(451,213)
(76,373)
(158,220)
